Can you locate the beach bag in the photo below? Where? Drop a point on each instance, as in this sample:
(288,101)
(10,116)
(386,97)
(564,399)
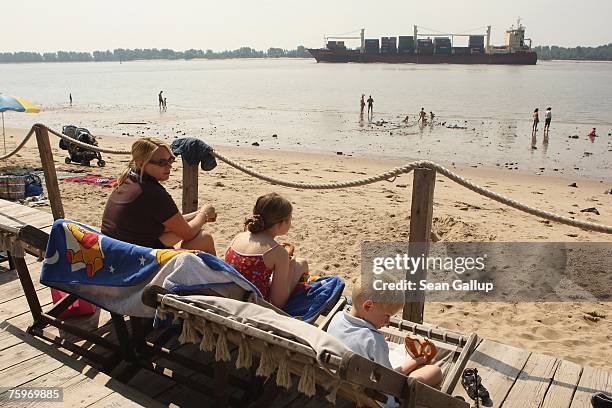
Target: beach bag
(78,308)
(33,185)
(12,187)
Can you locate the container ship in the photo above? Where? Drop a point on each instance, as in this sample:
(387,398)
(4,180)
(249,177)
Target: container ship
(431,49)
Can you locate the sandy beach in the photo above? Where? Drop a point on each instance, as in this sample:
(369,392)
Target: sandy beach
(329,227)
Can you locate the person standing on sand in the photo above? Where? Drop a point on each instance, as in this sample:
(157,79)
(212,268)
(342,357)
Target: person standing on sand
(160,99)
(165,106)
(370,106)
(431,116)
(70,98)
(362,104)
(547,119)
(536,120)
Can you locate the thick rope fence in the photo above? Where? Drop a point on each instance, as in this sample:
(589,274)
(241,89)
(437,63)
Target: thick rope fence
(385,176)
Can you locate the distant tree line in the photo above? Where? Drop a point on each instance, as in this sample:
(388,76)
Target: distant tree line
(121,54)
(601,53)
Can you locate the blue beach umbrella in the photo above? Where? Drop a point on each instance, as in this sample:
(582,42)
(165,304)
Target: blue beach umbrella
(17,104)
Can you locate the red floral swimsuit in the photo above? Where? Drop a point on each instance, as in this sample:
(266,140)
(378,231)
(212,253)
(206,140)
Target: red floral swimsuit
(253,268)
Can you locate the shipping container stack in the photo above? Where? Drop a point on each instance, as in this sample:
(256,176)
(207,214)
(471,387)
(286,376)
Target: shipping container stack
(336,45)
(461,51)
(388,45)
(442,45)
(406,44)
(425,46)
(476,44)
(371,46)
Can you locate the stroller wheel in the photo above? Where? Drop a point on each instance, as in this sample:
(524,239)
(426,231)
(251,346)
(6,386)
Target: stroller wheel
(101,163)
(67,160)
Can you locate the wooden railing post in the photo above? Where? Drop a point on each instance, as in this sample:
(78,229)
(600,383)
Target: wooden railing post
(48,165)
(190,187)
(421,214)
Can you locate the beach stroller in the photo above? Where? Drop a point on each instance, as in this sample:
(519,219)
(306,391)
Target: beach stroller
(79,154)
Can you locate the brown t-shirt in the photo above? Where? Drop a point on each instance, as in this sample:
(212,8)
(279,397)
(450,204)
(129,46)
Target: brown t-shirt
(135,211)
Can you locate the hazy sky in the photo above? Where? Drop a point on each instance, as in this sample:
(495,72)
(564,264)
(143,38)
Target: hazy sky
(87,25)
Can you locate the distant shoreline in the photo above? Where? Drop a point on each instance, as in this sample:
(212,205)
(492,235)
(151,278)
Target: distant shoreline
(247,58)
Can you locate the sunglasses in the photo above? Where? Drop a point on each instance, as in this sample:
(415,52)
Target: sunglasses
(163,162)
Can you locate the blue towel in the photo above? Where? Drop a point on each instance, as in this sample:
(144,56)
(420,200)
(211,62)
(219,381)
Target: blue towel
(309,299)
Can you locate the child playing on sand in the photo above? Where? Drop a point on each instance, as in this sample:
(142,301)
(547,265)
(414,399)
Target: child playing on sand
(358,330)
(270,266)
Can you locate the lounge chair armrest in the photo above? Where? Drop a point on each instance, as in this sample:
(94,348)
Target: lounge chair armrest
(34,238)
(149,295)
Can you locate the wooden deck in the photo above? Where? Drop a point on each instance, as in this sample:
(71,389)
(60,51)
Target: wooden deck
(513,376)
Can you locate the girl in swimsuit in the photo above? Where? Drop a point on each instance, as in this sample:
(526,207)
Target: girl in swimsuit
(269,265)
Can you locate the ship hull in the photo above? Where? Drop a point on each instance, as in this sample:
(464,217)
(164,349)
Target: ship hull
(343,56)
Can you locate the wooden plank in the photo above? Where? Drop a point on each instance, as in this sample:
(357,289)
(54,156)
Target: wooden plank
(190,187)
(185,398)
(48,165)
(54,378)
(17,354)
(565,381)
(8,340)
(14,289)
(79,391)
(122,392)
(337,307)
(150,384)
(421,215)
(20,215)
(499,366)
(116,400)
(532,384)
(28,370)
(454,375)
(592,380)
(20,305)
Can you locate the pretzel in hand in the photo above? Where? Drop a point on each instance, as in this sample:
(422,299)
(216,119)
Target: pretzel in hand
(289,247)
(420,347)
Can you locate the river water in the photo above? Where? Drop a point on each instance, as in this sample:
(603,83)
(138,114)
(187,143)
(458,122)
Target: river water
(315,107)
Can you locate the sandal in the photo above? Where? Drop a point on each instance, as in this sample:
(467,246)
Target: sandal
(472,383)
(601,400)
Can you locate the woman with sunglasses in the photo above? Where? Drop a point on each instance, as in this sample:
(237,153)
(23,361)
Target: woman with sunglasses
(142,212)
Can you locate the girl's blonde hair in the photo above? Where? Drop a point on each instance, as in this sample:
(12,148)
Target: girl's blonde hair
(142,151)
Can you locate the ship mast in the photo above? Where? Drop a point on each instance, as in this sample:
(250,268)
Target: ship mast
(362,40)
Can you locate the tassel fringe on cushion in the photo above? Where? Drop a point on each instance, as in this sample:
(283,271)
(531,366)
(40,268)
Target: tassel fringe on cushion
(283,376)
(307,380)
(266,363)
(245,356)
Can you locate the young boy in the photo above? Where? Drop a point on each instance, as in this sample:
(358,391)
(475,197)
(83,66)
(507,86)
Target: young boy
(358,330)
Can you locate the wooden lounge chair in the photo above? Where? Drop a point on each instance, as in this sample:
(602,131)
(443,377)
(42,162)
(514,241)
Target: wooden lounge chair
(290,347)
(107,346)
(107,351)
